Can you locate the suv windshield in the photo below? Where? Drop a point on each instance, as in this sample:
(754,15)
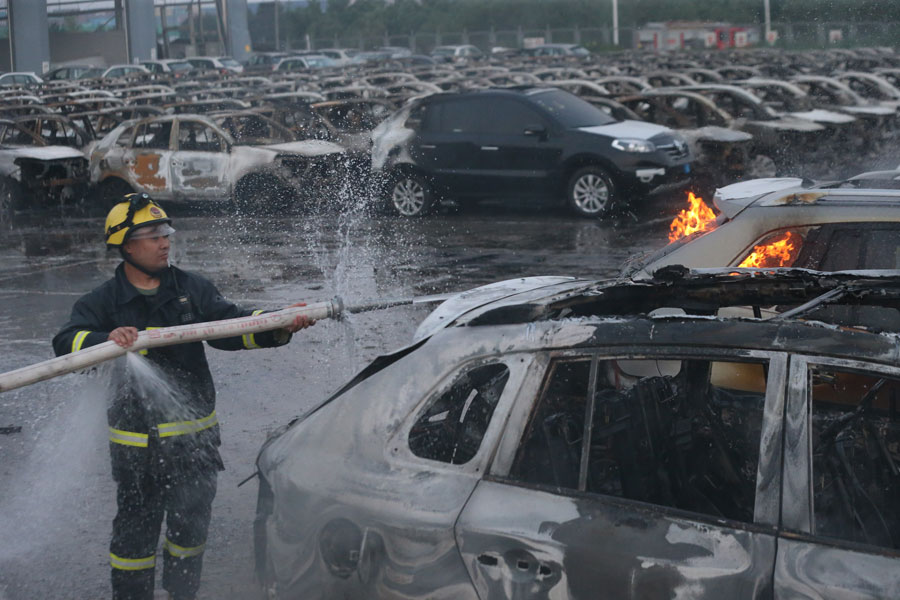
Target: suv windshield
(570,110)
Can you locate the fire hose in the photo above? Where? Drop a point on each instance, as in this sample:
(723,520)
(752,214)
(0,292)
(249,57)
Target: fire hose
(195,332)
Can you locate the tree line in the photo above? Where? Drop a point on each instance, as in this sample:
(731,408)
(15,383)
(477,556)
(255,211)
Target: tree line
(371,18)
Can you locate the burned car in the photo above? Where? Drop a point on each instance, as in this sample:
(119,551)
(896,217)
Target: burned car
(786,222)
(722,154)
(850,224)
(788,142)
(38,171)
(552,437)
(191,157)
(350,122)
(522,144)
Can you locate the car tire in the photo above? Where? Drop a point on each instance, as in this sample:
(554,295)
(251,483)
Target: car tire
(110,192)
(410,195)
(10,201)
(591,192)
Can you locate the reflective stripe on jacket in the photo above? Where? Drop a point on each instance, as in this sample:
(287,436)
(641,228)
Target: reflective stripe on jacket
(181,298)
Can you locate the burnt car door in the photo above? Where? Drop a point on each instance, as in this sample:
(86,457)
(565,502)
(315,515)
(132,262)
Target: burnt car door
(644,475)
(517,152)
(147,160)
(444,143)
(200,162)
(840,514)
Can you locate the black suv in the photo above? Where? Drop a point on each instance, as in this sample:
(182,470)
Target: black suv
(527,143)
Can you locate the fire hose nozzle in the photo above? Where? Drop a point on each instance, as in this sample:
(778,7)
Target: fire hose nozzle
(337,308)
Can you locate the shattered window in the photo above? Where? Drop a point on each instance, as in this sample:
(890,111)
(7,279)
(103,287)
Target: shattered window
(154,135)
(124,138)
(678,433)
(782,248)
(452,426)
(59,133)
(551,453)
(17,137)
(856,456)
(197,137)
(842,247)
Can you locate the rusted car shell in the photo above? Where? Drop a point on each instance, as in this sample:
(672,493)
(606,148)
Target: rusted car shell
(204,175)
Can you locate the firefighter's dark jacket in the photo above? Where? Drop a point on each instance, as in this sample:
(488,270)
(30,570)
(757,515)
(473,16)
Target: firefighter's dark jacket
(182,298)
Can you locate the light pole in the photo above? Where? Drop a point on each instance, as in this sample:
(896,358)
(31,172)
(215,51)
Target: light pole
(275,16)
(615,4)
(768,20)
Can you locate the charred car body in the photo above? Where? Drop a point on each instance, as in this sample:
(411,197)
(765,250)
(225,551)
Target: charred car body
(39,171)
(191,157)
(522,143)
(558,439)
(721,154)
(788,142)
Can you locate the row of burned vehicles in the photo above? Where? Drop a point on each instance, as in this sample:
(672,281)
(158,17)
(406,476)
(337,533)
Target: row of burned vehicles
(299,137)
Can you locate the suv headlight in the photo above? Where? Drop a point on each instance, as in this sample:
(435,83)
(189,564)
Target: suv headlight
(633,145)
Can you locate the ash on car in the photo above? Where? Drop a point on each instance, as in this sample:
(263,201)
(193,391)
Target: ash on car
(552,437)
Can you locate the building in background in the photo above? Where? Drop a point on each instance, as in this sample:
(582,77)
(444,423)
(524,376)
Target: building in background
(680,35)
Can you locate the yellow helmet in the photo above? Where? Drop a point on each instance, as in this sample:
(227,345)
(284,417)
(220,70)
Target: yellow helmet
(138,210)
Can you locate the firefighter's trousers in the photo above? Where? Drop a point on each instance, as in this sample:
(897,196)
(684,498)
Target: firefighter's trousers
(149,489)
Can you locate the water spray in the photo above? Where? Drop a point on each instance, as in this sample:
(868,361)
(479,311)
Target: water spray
(196,332)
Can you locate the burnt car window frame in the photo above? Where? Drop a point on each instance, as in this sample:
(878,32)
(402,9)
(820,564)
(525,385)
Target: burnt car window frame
(769,469)
(819,239)
(188,123)
(141,132)
(521,367)
(798,494)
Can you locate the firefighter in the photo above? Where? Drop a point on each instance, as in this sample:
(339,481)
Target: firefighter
(164,455)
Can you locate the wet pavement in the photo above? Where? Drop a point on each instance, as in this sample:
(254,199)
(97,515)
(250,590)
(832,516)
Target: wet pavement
(57,498)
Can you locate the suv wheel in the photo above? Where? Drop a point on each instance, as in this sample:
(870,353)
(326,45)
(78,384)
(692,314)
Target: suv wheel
(591,192)
(411,195)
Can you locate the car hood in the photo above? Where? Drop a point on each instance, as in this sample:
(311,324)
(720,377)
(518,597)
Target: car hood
(823,116)
(42,152)
(869,110)
(306,147)
(787,123)
(627,129)
(714,133)
(501,293)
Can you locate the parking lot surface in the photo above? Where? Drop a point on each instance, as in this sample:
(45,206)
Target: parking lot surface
(57,497)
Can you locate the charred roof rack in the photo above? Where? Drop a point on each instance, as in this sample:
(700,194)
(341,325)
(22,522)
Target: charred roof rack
(703,292)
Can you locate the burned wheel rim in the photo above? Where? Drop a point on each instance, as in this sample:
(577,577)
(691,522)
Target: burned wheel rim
(590,194)
(409,197)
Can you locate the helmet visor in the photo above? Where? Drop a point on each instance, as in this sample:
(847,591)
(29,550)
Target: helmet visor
(151,231)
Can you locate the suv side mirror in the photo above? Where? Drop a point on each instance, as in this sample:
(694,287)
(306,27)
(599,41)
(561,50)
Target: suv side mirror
(535,130)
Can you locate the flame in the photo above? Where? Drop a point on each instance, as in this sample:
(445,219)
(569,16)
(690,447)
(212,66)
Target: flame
(697,217)
(780,253)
